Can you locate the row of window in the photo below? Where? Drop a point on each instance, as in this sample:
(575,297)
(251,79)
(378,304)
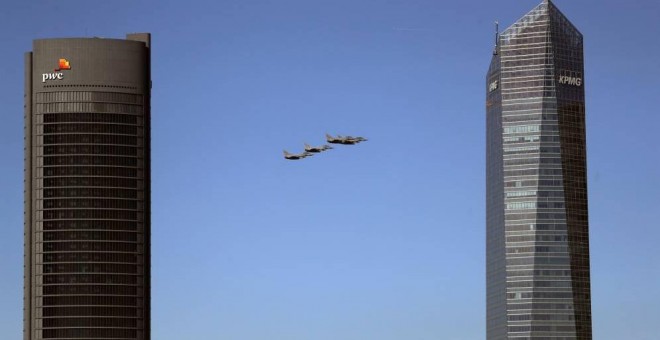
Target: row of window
(88,117)
(90,322)
(91,192)
(538,226)
(520,205)
(533,60)
(509,51)
(89,333)
(91,139)
(550,205)
(539,306)
(89,257)
(91,203)
(522,128)
(90,278)
(88,96)
(522,148)
(533,183)
(532,161)
(527,94)
(537,249)
(81,268)
(89,289)
(90,236)
(554,329)
(89,85)
(91,311)
(114,171)
(519,74)
(525,39)
(90,300)
(537,238)
(569,92)
(533,104)
(90,149)
(535,21)
(540,284)
(90,160)
(527,84)
(554,273)
(533,172)
(528,28)
(536,216)
(91,214)
(541,317)
(535,28)
(534,205)
(571,106)
(91,182)
(533,149)
(90,246)
(537,260)
(89,107)
(90,224)
(90,128)
(520,193)
(532,116)
(512,107)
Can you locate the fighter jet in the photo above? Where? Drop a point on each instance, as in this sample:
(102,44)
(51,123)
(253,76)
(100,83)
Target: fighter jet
(351,138)
(291,156)
(348,140)
(321,148)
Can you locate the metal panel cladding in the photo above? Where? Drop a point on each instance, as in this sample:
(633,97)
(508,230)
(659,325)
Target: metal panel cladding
(537,227)
(87,188)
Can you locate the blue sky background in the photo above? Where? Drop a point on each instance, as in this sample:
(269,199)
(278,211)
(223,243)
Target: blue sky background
(384,240)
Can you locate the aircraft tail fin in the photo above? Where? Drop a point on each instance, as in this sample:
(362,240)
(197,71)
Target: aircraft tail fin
(286,153)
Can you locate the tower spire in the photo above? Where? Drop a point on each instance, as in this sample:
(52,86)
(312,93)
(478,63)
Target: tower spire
(497,36)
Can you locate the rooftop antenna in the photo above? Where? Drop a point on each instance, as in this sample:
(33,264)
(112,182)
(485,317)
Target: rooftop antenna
(497,36)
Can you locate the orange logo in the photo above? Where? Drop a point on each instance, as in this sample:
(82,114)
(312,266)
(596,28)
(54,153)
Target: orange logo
(64,65)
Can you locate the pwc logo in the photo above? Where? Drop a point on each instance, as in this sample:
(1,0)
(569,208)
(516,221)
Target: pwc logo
(57,75)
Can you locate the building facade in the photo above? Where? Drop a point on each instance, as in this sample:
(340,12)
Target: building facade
(537,248)
(87,189)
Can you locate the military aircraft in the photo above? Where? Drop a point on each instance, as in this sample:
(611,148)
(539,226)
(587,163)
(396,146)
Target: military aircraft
(292,156)
(321,148)
(351,138)
(348,140)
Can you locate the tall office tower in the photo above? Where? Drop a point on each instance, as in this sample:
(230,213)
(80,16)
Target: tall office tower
(537,227)
(87,184)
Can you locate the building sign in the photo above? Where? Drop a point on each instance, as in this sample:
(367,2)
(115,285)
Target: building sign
(57,75)
(493,86)
(570,78)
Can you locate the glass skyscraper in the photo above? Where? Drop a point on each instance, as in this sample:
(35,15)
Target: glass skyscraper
(87,189)
(538,284)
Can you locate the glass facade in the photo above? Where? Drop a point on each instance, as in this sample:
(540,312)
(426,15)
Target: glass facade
(537,224)
(87,195)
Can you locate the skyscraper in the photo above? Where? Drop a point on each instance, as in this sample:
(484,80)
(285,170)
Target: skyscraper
(87,189)
(538,284)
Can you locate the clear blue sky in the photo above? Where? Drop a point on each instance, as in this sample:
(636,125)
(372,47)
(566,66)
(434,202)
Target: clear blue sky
(384,240)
